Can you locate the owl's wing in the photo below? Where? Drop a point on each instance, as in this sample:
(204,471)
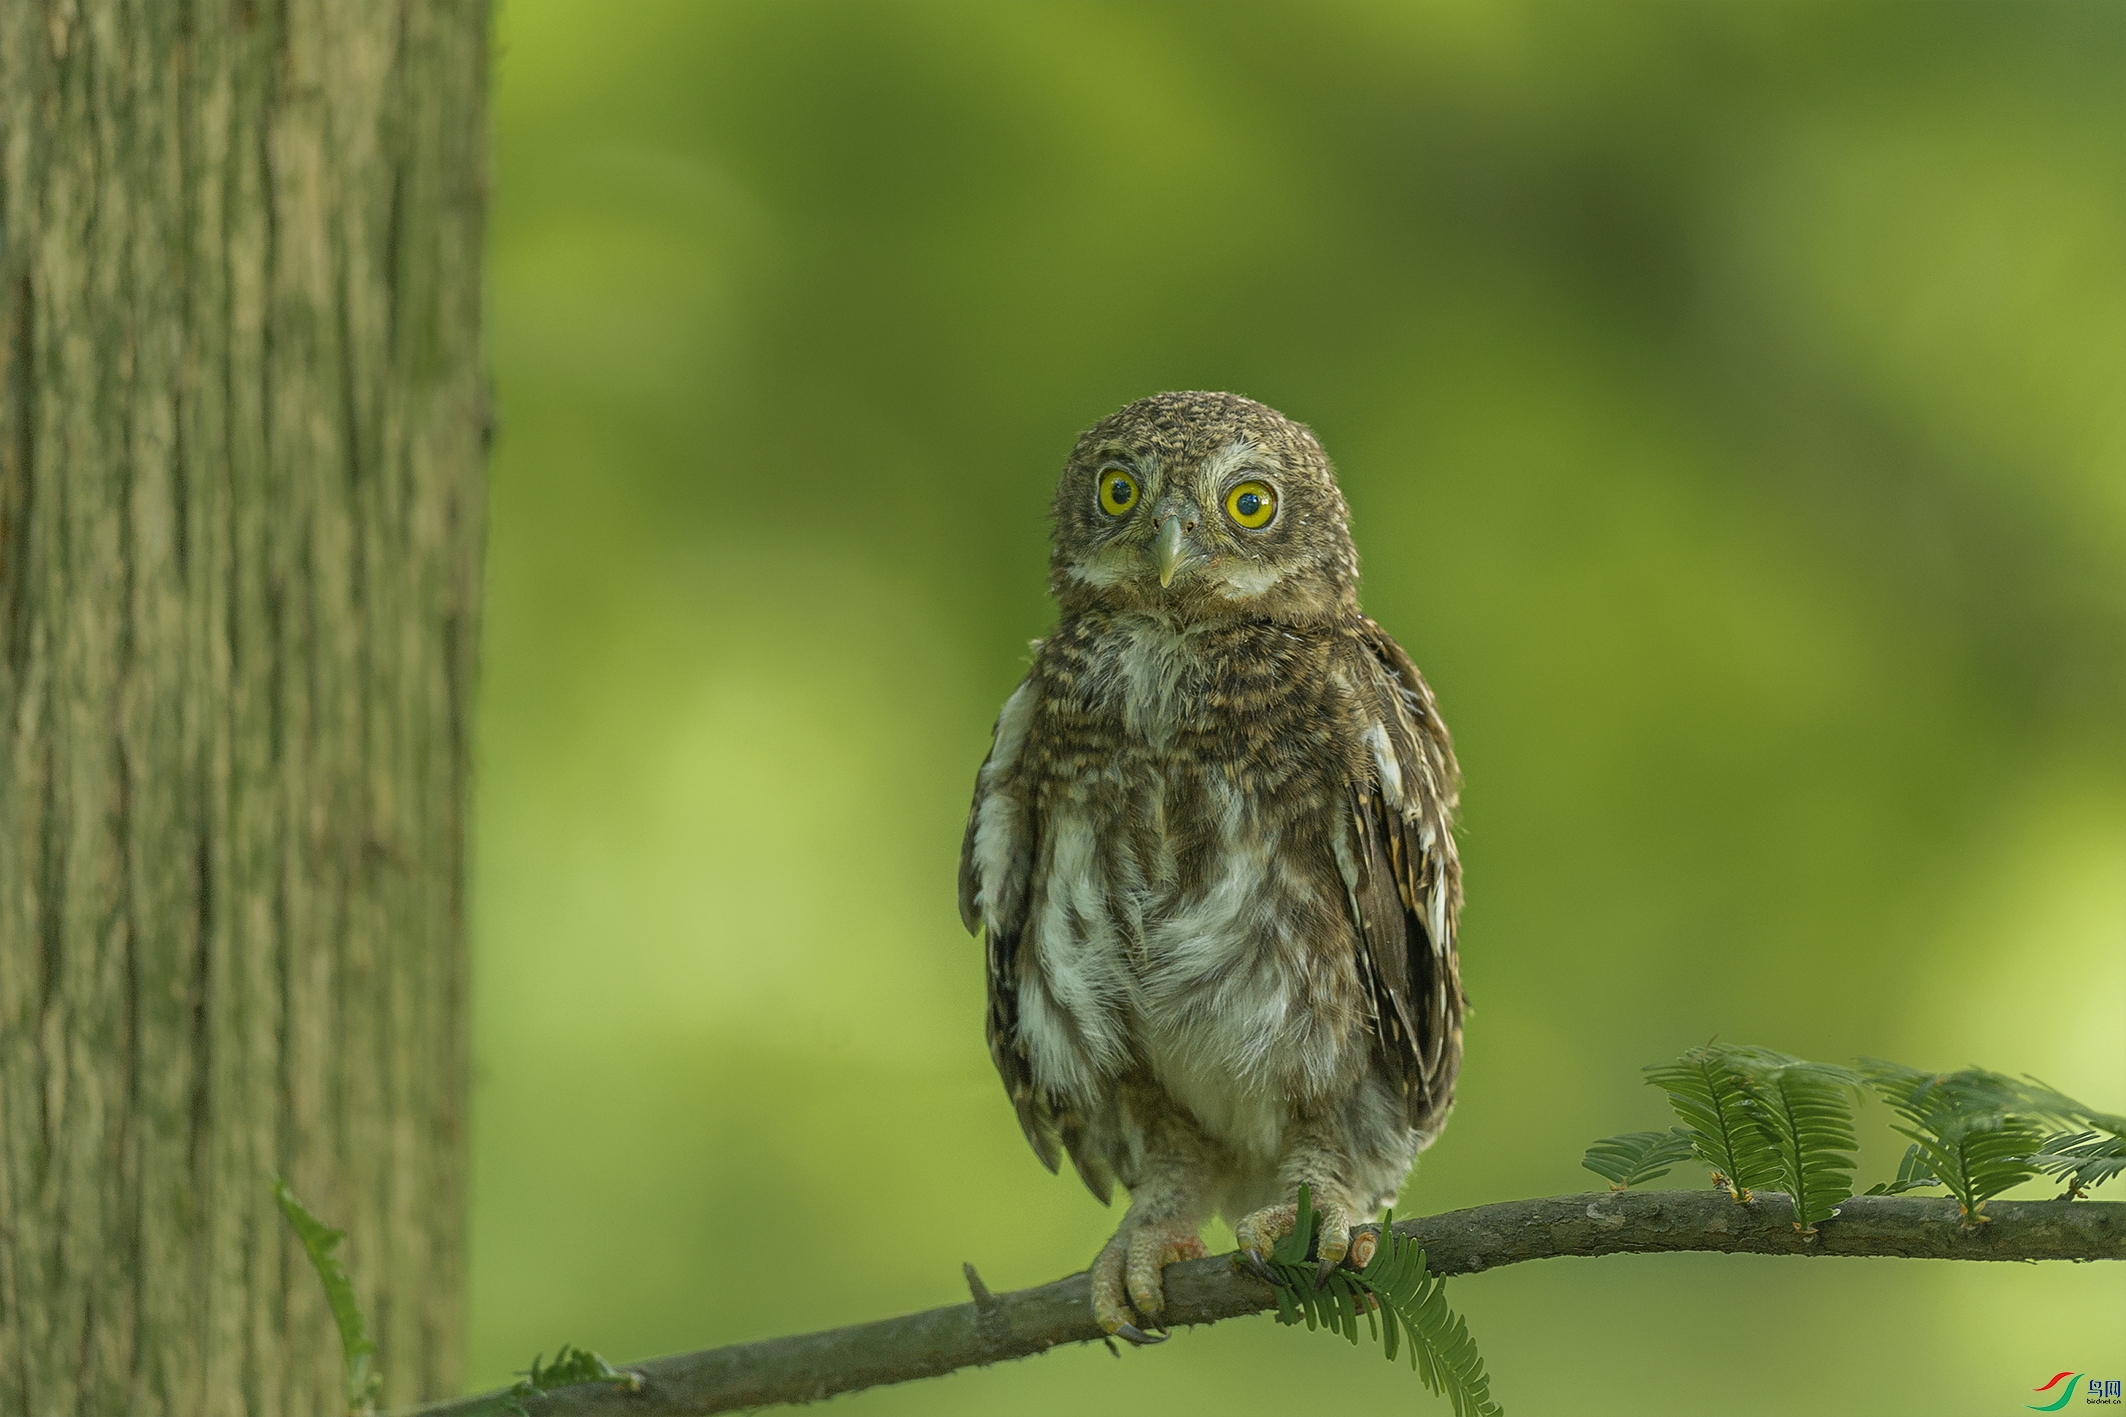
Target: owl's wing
(996,868)
(1406,888)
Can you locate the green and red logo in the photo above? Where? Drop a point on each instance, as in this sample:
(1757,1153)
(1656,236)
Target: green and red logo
(2066,1392)
(2103,1392)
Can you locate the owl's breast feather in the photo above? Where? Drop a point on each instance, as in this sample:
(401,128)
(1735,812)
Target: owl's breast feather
(1203,977)
(1156,668)
(1237,983)
(1179,925)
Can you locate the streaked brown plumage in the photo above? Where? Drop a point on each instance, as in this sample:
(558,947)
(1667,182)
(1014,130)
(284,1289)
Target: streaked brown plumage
(1211,851)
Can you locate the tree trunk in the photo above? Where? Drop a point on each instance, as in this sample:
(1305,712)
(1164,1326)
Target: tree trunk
(241,490)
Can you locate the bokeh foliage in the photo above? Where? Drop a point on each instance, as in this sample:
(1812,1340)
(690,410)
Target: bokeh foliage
(1729,401)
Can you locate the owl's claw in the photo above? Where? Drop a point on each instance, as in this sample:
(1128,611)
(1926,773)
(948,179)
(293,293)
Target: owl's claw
(1337,1240)
(1258,1235)
(1254,1264)
(1128,1279)
(1364,1243)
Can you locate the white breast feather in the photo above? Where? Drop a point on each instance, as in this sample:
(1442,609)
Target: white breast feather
(1156,656)
(1222,1027)
(1074,1001)
(1245,580)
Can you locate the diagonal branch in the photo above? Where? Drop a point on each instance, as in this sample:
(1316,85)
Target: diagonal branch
(811,1366)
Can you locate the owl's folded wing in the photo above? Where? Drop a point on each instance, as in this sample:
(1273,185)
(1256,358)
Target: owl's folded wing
(1406,886)
(996,865)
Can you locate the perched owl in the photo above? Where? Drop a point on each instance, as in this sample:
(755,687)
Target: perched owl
(1212,855)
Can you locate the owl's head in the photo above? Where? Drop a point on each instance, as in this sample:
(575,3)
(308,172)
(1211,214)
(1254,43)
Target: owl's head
(1202,504)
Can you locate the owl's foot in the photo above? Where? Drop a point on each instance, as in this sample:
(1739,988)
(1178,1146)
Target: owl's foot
(1337,1240)
(1258,1234)
(1128,1284)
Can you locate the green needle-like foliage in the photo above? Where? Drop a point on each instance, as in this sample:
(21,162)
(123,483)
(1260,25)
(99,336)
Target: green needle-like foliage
(1403,1306)
(1635,1158)
(2081,1159)
(365,1384)
(1912,1173)
(1806,1115)
(1760,1119)
(319,1240)
(571,1366)
(2044,1100)
(1709,1089)
(1972,1128)
(2087,1149)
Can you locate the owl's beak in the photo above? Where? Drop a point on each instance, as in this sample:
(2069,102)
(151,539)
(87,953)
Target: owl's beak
(1169,549)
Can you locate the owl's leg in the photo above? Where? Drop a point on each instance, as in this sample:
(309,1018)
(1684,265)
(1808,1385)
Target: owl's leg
(1167,1209)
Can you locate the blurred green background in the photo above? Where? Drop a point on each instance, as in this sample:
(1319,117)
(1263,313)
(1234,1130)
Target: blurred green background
(1729,402)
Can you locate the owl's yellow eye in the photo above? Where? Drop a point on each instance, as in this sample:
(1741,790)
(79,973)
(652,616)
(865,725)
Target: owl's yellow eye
(1118,491)
(1252,504)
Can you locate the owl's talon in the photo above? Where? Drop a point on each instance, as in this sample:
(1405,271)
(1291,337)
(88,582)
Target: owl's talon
(1254,1264)
(1128,1278)
(1259,1233)
(1323,1270)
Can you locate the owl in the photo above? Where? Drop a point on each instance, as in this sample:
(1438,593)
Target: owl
(1211,855)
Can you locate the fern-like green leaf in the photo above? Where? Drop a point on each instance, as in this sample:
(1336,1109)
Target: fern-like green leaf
(1973,1128)
(574,1365)
(1295,1247)
(1441,1349)
(1807,1118)
(2086,1147)
(1709,1091)
(319,1240)
(1979,1157)
(1635,1158)
(1912,1173)
(2083,1159)
(571,1366)
(1404,1306)
(2044,1100)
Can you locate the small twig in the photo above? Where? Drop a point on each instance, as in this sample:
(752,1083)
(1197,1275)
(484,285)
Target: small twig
(989,1319)
(807,1367)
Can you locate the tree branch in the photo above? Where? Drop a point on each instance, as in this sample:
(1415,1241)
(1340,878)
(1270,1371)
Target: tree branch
(807,1367)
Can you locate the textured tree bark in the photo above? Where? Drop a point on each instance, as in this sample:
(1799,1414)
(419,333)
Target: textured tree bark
(241,489)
